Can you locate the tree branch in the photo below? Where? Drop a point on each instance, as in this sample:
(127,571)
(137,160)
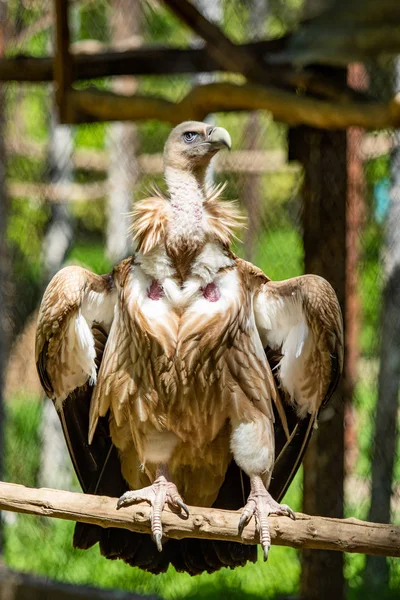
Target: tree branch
(227,54)
(226,97)
(343,535)
(235,58)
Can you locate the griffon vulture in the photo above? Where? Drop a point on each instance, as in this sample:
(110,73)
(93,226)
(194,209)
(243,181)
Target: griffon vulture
(187,375)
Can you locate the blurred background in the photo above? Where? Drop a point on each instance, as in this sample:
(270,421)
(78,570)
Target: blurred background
(66,192)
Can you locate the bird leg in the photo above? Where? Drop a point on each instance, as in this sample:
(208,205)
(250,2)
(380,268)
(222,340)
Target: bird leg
(160,492)
(261,504)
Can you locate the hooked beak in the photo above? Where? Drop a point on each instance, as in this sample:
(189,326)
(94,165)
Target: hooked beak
(220,138)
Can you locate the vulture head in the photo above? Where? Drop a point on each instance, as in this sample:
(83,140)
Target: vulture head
(192,144)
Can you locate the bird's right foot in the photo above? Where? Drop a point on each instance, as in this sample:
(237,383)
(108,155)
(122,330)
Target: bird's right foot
(159,493)
(260,504)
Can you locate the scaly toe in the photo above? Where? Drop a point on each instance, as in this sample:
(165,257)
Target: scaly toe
(128,498)
(281,510)
(158,494)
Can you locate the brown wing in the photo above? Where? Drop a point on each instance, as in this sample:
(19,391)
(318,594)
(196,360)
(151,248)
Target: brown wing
(75,315)
(65,348)
(300,324)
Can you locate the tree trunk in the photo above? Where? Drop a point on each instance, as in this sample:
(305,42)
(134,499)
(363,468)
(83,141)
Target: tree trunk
(124,169)
(376,575)
(324,158)
(323,155)
(59,234)
(357,78)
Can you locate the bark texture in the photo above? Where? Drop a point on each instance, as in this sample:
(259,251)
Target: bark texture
(323,155)
(341,535)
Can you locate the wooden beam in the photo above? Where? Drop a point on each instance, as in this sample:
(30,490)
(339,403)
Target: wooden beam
(150,60)
(239,161)
(58,193)
(343,535)
(26,68)
(63,62)
(347,31)
(227,97)
(161,61)
(157,60)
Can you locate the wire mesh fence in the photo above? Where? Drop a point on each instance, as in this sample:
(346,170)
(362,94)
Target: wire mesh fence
(70,188)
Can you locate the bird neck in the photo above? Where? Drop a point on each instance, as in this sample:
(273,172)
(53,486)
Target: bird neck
(186,191)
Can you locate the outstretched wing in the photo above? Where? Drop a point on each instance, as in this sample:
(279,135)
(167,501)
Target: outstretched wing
(300,324)
(74,319)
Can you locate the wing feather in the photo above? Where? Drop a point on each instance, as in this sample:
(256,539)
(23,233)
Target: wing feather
(301,318)
(74,300)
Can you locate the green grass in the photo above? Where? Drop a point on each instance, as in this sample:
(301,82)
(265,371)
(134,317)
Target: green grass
(44,547)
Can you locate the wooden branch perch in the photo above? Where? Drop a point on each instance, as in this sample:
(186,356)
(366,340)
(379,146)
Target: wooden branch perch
(226,97)
(343,535)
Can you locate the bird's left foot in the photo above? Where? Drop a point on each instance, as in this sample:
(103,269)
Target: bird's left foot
(158,494)
(261,504)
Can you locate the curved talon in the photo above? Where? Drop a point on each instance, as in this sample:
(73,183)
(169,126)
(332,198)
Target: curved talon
(290,512)
(282,510)
(157,538)
(244,520)
(183,506)
(266,552)
(126,499)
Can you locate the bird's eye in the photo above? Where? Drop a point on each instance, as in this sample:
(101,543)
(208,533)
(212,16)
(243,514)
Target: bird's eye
(189,136)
